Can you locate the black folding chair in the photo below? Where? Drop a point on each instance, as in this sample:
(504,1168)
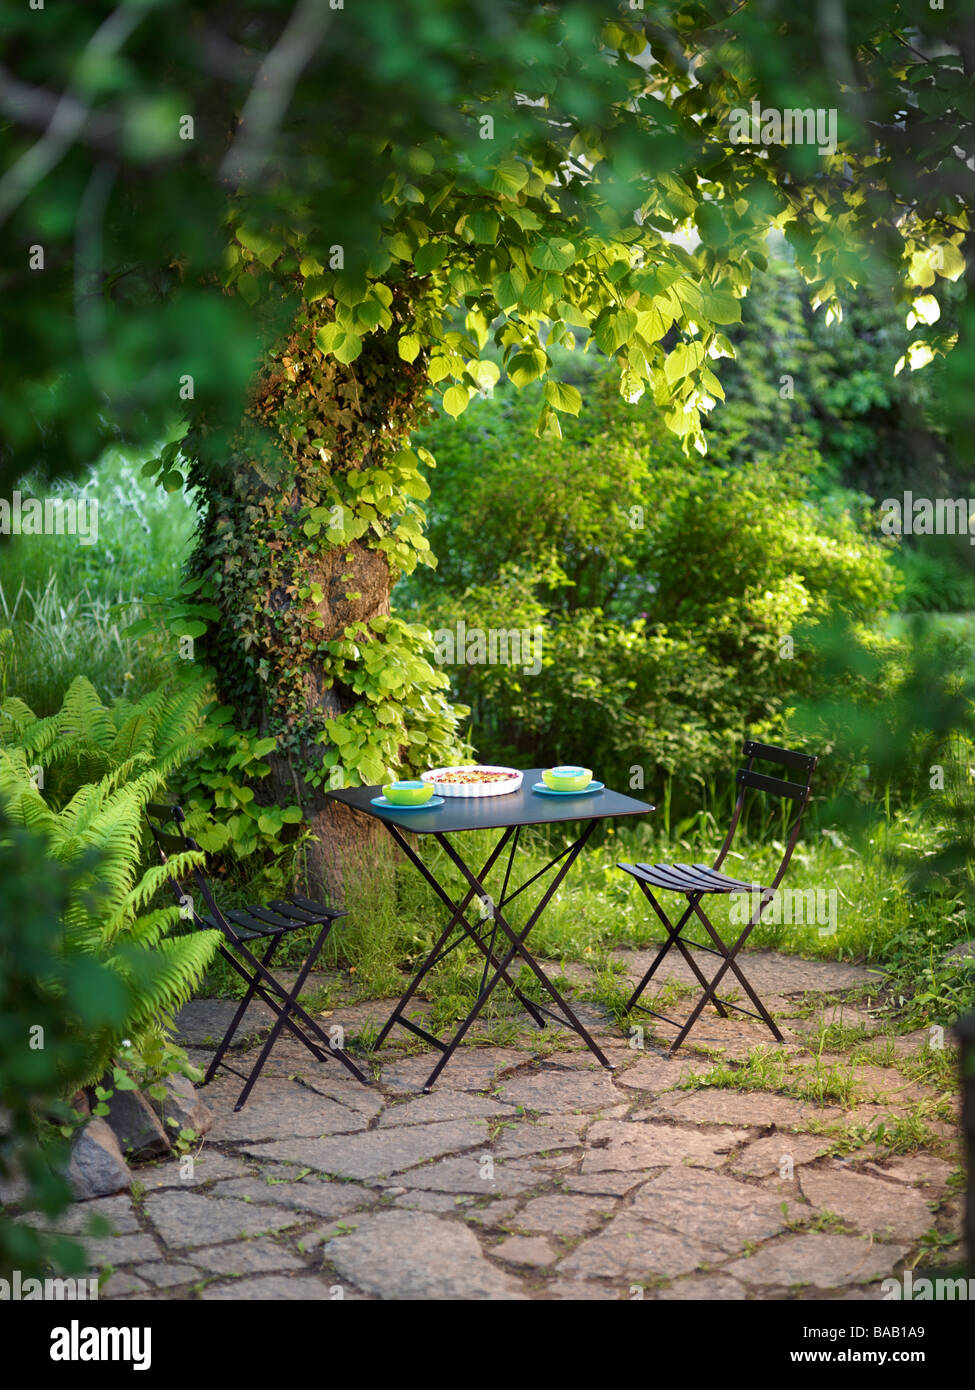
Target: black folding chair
(240,928)
(696,881)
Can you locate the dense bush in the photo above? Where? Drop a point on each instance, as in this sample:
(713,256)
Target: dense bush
(673,603)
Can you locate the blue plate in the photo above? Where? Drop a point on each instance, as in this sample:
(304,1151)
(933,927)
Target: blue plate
(385,805)
(586,791)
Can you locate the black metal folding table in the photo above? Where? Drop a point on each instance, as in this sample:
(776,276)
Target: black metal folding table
(509,814)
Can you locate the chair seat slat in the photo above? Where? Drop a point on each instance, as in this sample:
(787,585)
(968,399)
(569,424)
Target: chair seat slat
(298,914)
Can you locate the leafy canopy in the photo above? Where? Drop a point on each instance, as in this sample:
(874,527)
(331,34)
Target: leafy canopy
(530,165)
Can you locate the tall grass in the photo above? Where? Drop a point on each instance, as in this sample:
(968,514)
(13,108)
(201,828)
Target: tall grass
(63,605)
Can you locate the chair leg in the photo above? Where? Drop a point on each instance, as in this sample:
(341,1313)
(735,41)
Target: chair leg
(729,964)
(291,999)
(673,939)
(238,1016)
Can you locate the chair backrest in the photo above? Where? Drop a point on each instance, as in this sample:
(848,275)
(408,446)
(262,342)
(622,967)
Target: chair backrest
(797,791)
(157,816)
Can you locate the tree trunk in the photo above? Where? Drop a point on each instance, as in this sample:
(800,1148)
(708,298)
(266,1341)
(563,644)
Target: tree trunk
(300,565)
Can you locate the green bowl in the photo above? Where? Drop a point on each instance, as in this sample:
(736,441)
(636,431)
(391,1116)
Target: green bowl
(562,779)
(408,793)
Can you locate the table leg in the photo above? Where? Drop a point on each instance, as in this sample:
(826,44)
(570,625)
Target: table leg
(518,947)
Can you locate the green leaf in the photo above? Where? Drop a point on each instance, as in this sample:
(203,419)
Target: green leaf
(561,396)
(509,177)
(429,256)
(507,288)
(719,306)
(409,347)
(527,365)
(455,400)
(613,328)
(483,227)
(558,253)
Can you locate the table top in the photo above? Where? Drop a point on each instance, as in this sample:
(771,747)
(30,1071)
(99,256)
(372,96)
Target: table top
(523,807)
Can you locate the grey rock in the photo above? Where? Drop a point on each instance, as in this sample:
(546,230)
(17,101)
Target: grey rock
(121,1285)
(246,1257)
(203,1022)
(167,1274)
(712,1288)
(629,1248)
(554,1090)
(119,1250)
(445,1105)
(190,1171)
(776,1154)
(474,1176)
(533,1252)
(565,1215)
(182,1103)
(96,1167)
(612,1145)
(136,1126)
(328,1200)
(719,1106)
(273,1288)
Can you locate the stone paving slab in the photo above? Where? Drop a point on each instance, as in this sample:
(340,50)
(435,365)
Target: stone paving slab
(886,1210)
(203,1022)
(768,971)
(187,1219)
(377,1153)
(612,1145)
(532,1172)
(631,1249)
(722,1106)
(420,1256)
(820,1260)
(689,1201)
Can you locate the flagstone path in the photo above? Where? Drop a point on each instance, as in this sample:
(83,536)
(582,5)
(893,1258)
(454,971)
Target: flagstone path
(532,1173)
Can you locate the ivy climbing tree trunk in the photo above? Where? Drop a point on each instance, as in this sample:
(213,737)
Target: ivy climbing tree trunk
(307,525)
